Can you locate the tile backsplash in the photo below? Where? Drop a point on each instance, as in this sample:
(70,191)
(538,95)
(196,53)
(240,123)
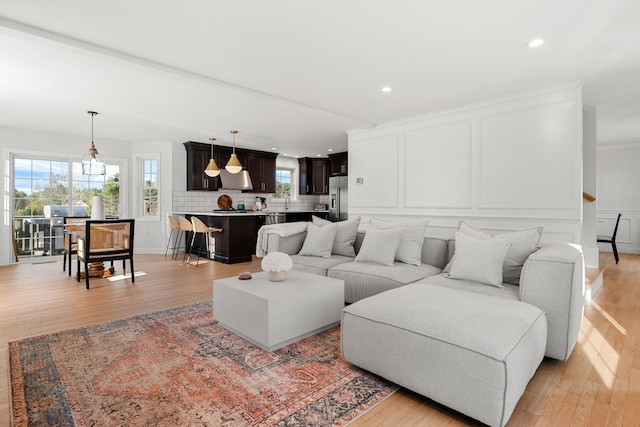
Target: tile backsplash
(205,201)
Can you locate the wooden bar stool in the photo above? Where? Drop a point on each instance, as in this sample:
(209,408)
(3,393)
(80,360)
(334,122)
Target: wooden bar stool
(175,227)
(200,228)
(185,228)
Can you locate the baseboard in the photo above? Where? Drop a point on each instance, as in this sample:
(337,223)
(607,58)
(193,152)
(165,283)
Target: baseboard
(593,282)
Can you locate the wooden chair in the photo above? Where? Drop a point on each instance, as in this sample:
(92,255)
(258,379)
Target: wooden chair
(106,240)
(612,239)
(174,224)
(202,229)
(73,227)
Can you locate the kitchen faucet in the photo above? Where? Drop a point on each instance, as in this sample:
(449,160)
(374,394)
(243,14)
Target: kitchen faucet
(286,202)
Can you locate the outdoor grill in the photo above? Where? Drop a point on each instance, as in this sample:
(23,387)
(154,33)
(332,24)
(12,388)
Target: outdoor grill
(54,217)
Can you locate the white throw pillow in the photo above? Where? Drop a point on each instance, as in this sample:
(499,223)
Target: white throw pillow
(319,240)
(345,236)
(380,246)
(479,260)
(523,244)
(410,249)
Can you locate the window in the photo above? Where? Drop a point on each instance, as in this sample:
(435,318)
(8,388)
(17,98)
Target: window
(45,190)
(150,187)
(285,186)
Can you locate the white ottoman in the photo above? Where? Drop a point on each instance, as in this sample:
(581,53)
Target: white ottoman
(471,352)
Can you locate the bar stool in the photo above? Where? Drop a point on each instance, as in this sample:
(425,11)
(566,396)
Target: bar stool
(185,227)
(175,226)
(201,228)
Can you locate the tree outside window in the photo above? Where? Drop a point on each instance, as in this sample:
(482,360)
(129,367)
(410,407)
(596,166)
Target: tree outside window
(150,187)
(284,183)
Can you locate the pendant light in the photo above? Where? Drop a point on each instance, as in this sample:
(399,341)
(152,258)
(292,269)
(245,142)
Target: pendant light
(92,162)
(212,168)
(233,165)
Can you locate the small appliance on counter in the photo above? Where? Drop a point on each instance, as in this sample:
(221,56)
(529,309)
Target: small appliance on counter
(320,207)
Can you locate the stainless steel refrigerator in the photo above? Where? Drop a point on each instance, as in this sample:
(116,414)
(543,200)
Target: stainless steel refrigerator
(338,194)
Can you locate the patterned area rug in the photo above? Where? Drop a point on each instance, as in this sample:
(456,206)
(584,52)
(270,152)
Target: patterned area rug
(179,367)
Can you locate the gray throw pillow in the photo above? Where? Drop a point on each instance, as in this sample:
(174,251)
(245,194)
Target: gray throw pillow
(380,246)
(523,244)
(410,249)
(319,240)
(345,236)
(479,260)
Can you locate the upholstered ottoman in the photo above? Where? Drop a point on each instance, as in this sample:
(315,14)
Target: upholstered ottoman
(471,352)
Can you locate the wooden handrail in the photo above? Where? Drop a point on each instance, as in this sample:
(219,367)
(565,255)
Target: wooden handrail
(589,197)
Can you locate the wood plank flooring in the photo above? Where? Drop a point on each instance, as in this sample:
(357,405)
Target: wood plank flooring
(598,386)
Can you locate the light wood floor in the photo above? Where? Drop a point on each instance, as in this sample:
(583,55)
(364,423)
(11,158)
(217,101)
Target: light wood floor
(598,386)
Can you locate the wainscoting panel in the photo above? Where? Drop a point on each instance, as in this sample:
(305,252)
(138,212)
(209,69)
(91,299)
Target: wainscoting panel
(438,167)
(506,164)
(526,155)
(373,172)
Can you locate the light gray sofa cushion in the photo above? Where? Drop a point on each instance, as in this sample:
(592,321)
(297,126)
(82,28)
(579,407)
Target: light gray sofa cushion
(479,260)
(363,279)
(317,265)
(410,247)
(471,352)
(345,235)
(523,244)
(319,240)
(509,291)
(380,246)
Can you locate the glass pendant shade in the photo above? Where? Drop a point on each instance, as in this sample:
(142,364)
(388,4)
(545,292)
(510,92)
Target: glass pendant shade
(233,165)
(92,162)
(212,168)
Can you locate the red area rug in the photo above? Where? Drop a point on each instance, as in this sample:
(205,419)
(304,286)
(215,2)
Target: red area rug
(177,368)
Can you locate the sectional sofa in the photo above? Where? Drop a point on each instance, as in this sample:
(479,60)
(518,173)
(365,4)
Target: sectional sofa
(464,321)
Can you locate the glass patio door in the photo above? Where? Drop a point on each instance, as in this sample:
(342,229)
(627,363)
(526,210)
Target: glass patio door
(45,190)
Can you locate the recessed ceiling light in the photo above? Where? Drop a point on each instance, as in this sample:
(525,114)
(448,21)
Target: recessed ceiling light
(330,150)
(387,89)
(535,43)
(273,148)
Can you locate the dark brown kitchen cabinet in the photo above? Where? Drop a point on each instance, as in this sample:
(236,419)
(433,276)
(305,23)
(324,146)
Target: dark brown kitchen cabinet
(314,176)
(198,155)
(261,166)
(338,164)
(262,170)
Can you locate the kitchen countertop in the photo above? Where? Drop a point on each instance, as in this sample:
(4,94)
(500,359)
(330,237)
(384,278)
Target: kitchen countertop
(251,213)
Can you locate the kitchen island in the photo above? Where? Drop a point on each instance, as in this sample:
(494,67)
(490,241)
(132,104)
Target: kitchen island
(237,240)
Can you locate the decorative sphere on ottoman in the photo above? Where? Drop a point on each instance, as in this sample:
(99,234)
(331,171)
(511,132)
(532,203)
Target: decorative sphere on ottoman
(276,264)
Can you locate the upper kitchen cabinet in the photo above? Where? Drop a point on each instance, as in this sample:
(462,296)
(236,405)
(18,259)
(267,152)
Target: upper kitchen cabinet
(198,155)
(261,166)
(262,170)
(338,164)
(314,175)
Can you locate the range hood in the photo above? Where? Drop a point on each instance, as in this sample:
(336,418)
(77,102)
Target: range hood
(235,181)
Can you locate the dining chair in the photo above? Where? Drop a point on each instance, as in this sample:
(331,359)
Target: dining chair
(612,239)
(106,240)
(74,226)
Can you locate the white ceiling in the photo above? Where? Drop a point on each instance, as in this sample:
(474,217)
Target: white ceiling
(297,74)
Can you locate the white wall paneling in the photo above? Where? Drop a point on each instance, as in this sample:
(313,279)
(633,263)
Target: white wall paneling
(505,164)
(441,155)
(373,171)
(527,158)
(590,186)
(618,192)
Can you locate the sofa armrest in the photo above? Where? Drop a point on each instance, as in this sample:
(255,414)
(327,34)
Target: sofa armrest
(289,245)
(553,280)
